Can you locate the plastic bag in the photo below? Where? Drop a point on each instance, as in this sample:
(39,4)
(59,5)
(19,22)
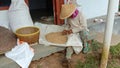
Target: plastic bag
(19,15)
(21,54)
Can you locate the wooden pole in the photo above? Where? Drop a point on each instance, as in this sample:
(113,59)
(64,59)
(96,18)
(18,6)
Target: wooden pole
(108,33)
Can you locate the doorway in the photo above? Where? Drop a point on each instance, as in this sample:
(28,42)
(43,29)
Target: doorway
(40,10)
(46,11)
(119,6)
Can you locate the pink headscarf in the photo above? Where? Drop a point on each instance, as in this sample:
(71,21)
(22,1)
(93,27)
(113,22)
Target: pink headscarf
(75,13)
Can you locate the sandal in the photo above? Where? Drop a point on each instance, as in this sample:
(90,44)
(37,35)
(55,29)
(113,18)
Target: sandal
(86,48)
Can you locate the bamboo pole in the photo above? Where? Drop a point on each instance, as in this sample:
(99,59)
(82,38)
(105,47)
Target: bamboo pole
(108,33)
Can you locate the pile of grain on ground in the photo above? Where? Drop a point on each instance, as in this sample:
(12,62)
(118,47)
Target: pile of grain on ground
(56,37)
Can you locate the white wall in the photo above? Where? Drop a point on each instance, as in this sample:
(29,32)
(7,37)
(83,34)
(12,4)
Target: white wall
(91,8)
(4,18)
(94,8)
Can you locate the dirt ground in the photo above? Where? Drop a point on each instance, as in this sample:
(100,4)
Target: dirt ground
(57,60)
(89,60)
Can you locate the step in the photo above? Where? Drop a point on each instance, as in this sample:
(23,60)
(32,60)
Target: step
(40,51)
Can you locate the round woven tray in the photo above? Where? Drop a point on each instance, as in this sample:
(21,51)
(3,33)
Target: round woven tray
(56,37)
(7,40)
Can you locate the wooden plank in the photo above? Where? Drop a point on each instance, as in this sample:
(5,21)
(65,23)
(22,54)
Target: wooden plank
(7,7)
(54,10)
(4,8)
(57,8)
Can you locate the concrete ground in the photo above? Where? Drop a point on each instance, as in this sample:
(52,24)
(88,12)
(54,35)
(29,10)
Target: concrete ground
(99,28)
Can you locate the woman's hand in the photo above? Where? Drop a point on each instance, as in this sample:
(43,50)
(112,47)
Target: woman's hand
(64,32)
(67,32)
(70,31)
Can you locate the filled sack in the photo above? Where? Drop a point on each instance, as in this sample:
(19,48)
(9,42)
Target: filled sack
(19,15)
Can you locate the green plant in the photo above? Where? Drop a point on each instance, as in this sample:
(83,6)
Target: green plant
(115,50)
(95,46)
(113,63)
(90,62)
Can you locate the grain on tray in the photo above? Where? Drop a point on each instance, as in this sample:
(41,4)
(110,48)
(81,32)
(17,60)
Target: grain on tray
(56,37)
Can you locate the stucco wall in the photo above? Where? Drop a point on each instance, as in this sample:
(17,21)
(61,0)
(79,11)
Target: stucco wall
(94,8)
(91,8)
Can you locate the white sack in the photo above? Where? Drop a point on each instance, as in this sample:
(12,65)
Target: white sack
(47,28)
(21,54)
(73,39)
(19,15)
(4,18)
